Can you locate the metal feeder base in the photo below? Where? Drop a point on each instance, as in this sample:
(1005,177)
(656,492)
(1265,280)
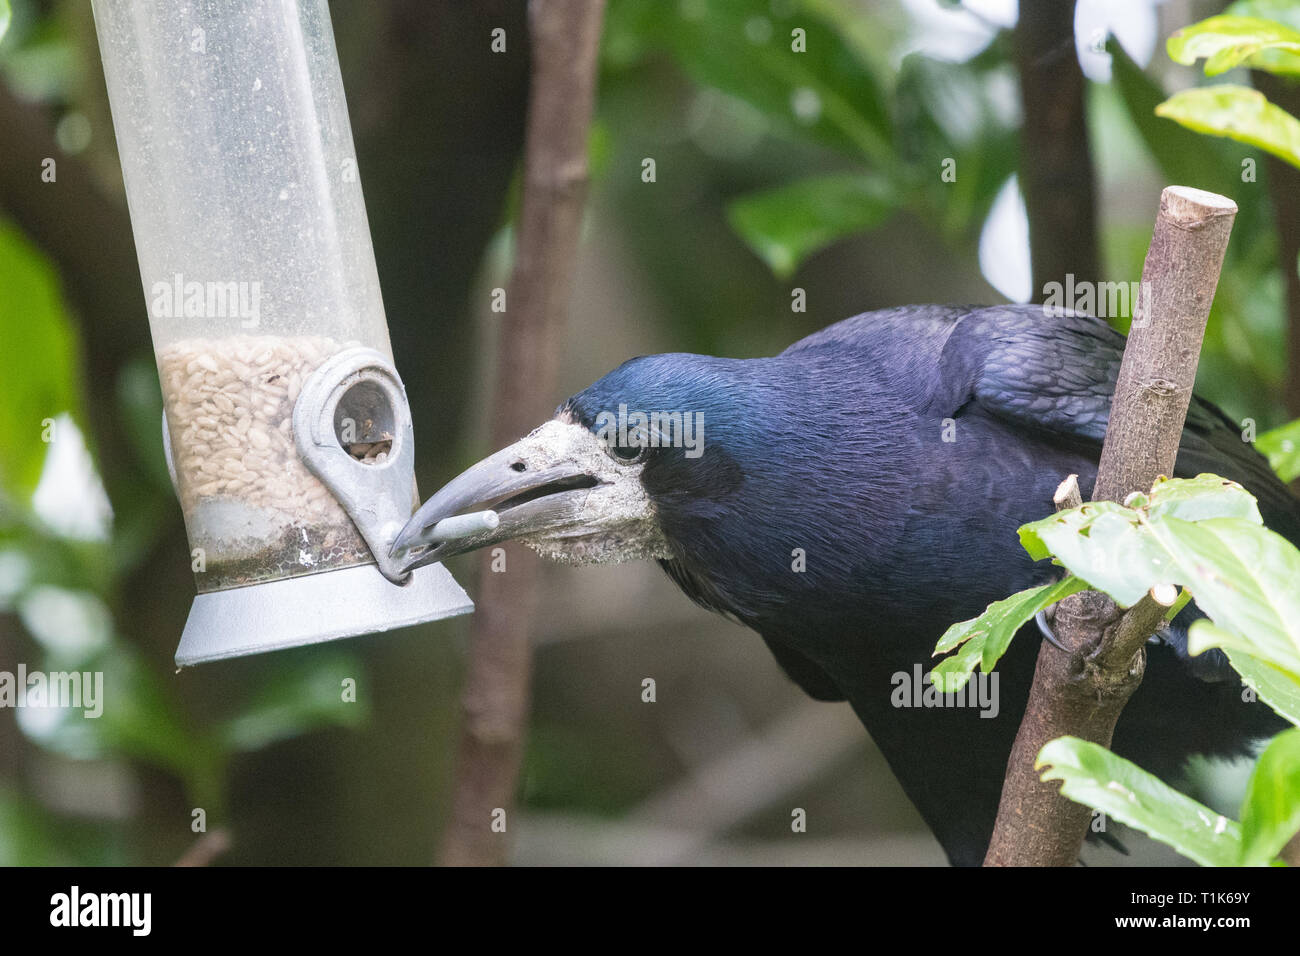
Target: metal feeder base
(313,609)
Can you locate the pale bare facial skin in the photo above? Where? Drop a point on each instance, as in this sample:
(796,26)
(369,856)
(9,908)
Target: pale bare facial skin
(560,490)
(617,518)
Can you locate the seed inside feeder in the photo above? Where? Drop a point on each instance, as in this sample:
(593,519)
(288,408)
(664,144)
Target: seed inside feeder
(250,502)
(372,452)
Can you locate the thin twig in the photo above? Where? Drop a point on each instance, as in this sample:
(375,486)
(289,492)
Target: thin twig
(1067,494)
(565,37)
(1082,693)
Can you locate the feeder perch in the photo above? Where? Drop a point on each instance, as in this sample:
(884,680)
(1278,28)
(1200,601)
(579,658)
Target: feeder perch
(286,424)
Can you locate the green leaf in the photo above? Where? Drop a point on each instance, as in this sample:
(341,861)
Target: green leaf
(787,224)
(41,376)
(1274,686)
(952,673)
(1201,498)
(5,14)
(1205,535)
(987,637)
(1282,448)
(1103,543)
(1270,812)
(1245,578)
(1282,11)
(1239,113)
(1229,41)
(1184,598)
(1097,778)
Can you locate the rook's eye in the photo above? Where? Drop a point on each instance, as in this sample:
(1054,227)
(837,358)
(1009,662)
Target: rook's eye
(628,454)
(632,453)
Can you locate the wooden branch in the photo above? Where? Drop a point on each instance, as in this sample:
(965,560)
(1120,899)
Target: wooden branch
(565,37)
(1082,693)
(1067,494)
(1056,174)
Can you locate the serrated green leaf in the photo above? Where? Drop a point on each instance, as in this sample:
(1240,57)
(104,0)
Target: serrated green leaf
(1270,812)
(1103,543)
(1116,548)
(1097,778)
(952,673)
(1201,498)
(1239,113)
(1245,578)
(1040,537)
(1229,41)
(1205,535)
(984,639)
(787,224)
(1282,448)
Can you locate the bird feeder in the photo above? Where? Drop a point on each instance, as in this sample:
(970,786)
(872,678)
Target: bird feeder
(286,424)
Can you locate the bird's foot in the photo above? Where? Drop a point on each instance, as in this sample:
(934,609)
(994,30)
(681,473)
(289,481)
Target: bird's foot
(1041,620)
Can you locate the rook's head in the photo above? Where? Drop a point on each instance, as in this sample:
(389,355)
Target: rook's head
(608,477)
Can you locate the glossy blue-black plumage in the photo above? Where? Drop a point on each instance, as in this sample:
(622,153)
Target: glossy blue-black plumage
(897,452)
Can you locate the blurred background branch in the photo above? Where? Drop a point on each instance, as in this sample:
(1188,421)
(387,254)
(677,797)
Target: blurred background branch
(1056,171)
(565,37)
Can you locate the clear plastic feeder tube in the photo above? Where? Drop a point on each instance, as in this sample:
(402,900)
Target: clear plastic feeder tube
(256,262)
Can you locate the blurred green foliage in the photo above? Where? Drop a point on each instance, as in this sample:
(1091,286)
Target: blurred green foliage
(809,72)
(43,382)
(1282,446)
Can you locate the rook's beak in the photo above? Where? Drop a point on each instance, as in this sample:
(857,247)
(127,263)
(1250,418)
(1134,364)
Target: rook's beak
(533,486)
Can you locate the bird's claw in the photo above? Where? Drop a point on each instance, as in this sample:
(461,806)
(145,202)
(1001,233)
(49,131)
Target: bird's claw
(1041,620)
